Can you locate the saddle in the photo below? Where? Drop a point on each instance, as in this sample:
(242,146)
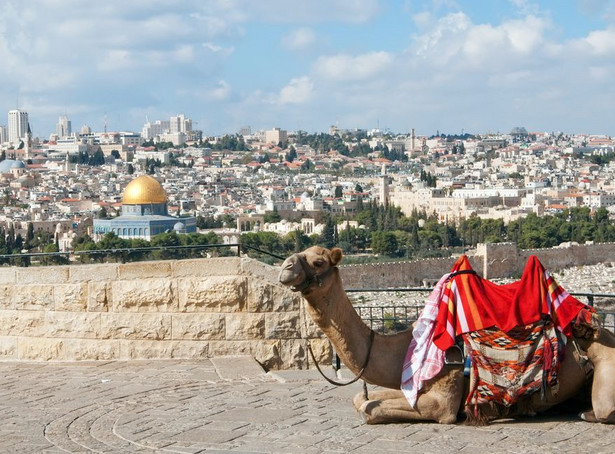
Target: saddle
(514,334)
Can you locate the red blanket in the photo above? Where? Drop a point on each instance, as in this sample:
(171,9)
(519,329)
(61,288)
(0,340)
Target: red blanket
(470,303)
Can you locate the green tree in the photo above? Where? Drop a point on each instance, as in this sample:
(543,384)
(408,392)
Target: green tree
(384,243)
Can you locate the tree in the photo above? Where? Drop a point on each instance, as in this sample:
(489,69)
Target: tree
(29,235)
(384,243)
(327,239)
(130,169)
(272,216)
(338,192)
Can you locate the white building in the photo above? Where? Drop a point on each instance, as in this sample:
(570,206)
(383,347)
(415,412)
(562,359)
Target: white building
(275,136)
(63,128)
(155,129)
(18,126)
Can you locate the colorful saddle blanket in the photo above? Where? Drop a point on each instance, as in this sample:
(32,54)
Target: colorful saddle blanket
(503,326)
(507,365)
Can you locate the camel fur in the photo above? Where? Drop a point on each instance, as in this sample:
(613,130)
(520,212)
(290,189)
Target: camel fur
(600,347)
(314,272)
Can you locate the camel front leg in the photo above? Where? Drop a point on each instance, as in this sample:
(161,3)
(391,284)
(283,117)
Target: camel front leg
(389,406)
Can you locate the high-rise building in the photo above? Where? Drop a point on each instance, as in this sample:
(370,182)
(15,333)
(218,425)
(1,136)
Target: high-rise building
(63,128)
(18,126)
(180,123)
(276,135)
(3,134)
(152,130)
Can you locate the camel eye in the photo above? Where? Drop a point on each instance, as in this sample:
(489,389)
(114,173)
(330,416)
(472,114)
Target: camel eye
(319,263)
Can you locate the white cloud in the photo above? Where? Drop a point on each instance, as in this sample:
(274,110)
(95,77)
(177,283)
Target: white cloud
(298,91)
(353,68)
(601,42)
(221,92)
(312,11)
(299,39)
(225,51)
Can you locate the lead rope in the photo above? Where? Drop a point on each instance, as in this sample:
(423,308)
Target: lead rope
(360,374)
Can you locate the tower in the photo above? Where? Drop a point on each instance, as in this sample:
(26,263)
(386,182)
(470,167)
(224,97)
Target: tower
(383,195)
(18,126)
(63,128)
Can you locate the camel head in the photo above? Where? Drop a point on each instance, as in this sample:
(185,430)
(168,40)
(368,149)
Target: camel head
(310,269)
(587,326)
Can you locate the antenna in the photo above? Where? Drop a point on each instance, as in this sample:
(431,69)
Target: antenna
(105,123)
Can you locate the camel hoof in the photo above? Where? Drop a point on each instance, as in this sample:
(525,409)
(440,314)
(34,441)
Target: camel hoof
(587,416)
(365,411)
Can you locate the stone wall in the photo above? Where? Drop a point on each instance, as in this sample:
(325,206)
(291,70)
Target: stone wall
(491,261)
(154,310)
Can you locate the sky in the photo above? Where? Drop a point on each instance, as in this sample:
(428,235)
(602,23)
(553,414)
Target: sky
(475,66)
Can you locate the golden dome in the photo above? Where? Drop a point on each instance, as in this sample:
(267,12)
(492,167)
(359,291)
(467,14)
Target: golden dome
(144,190)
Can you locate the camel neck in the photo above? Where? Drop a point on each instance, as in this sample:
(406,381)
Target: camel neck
(333,312)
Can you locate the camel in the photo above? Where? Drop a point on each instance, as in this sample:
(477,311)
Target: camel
(379,358)
(600,347)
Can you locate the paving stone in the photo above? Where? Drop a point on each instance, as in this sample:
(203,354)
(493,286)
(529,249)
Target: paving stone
(224,405)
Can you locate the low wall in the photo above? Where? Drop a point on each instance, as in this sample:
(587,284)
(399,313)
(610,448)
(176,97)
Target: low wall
(154,310)
(492,261)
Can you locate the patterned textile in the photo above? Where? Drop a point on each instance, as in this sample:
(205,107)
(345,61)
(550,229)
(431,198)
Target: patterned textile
(506,366)
(494,320)
(470,303)
(423,359)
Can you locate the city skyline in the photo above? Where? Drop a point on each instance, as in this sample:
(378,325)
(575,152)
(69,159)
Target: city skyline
(473,66)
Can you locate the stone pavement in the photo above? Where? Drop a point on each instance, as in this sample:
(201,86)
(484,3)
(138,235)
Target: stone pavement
(231,405)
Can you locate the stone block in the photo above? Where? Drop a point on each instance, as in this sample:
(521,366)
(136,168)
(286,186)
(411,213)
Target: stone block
(143,349)
(212,294)
(80,325)
(266,297)
(91,349)
(199,326)
(22,323)
(33,297)
(322,350)
(267,353)
(294,354)
(98,296)
(221,266)
(231,348)
(8,275)
(70,297)
(260,270)
(144,270)
(118,325)
(145,295)
(42,275)
(244,326)
(6,297)
(282,325)
(8,348)
(93,273)
(41,349)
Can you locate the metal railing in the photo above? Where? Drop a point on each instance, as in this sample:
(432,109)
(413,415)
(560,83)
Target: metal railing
(127,254)
(390,318)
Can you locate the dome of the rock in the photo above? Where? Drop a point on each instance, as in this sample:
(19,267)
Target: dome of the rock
(144,190)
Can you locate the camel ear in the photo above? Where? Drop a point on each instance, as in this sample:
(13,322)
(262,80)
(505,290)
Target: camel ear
(336,256)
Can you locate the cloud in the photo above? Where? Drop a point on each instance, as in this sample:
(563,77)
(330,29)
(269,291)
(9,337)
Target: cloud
(299,39)
(601,42)
(311,12)
(353,68)
(298,91)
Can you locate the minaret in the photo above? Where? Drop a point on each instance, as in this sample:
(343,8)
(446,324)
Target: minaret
(383,196)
